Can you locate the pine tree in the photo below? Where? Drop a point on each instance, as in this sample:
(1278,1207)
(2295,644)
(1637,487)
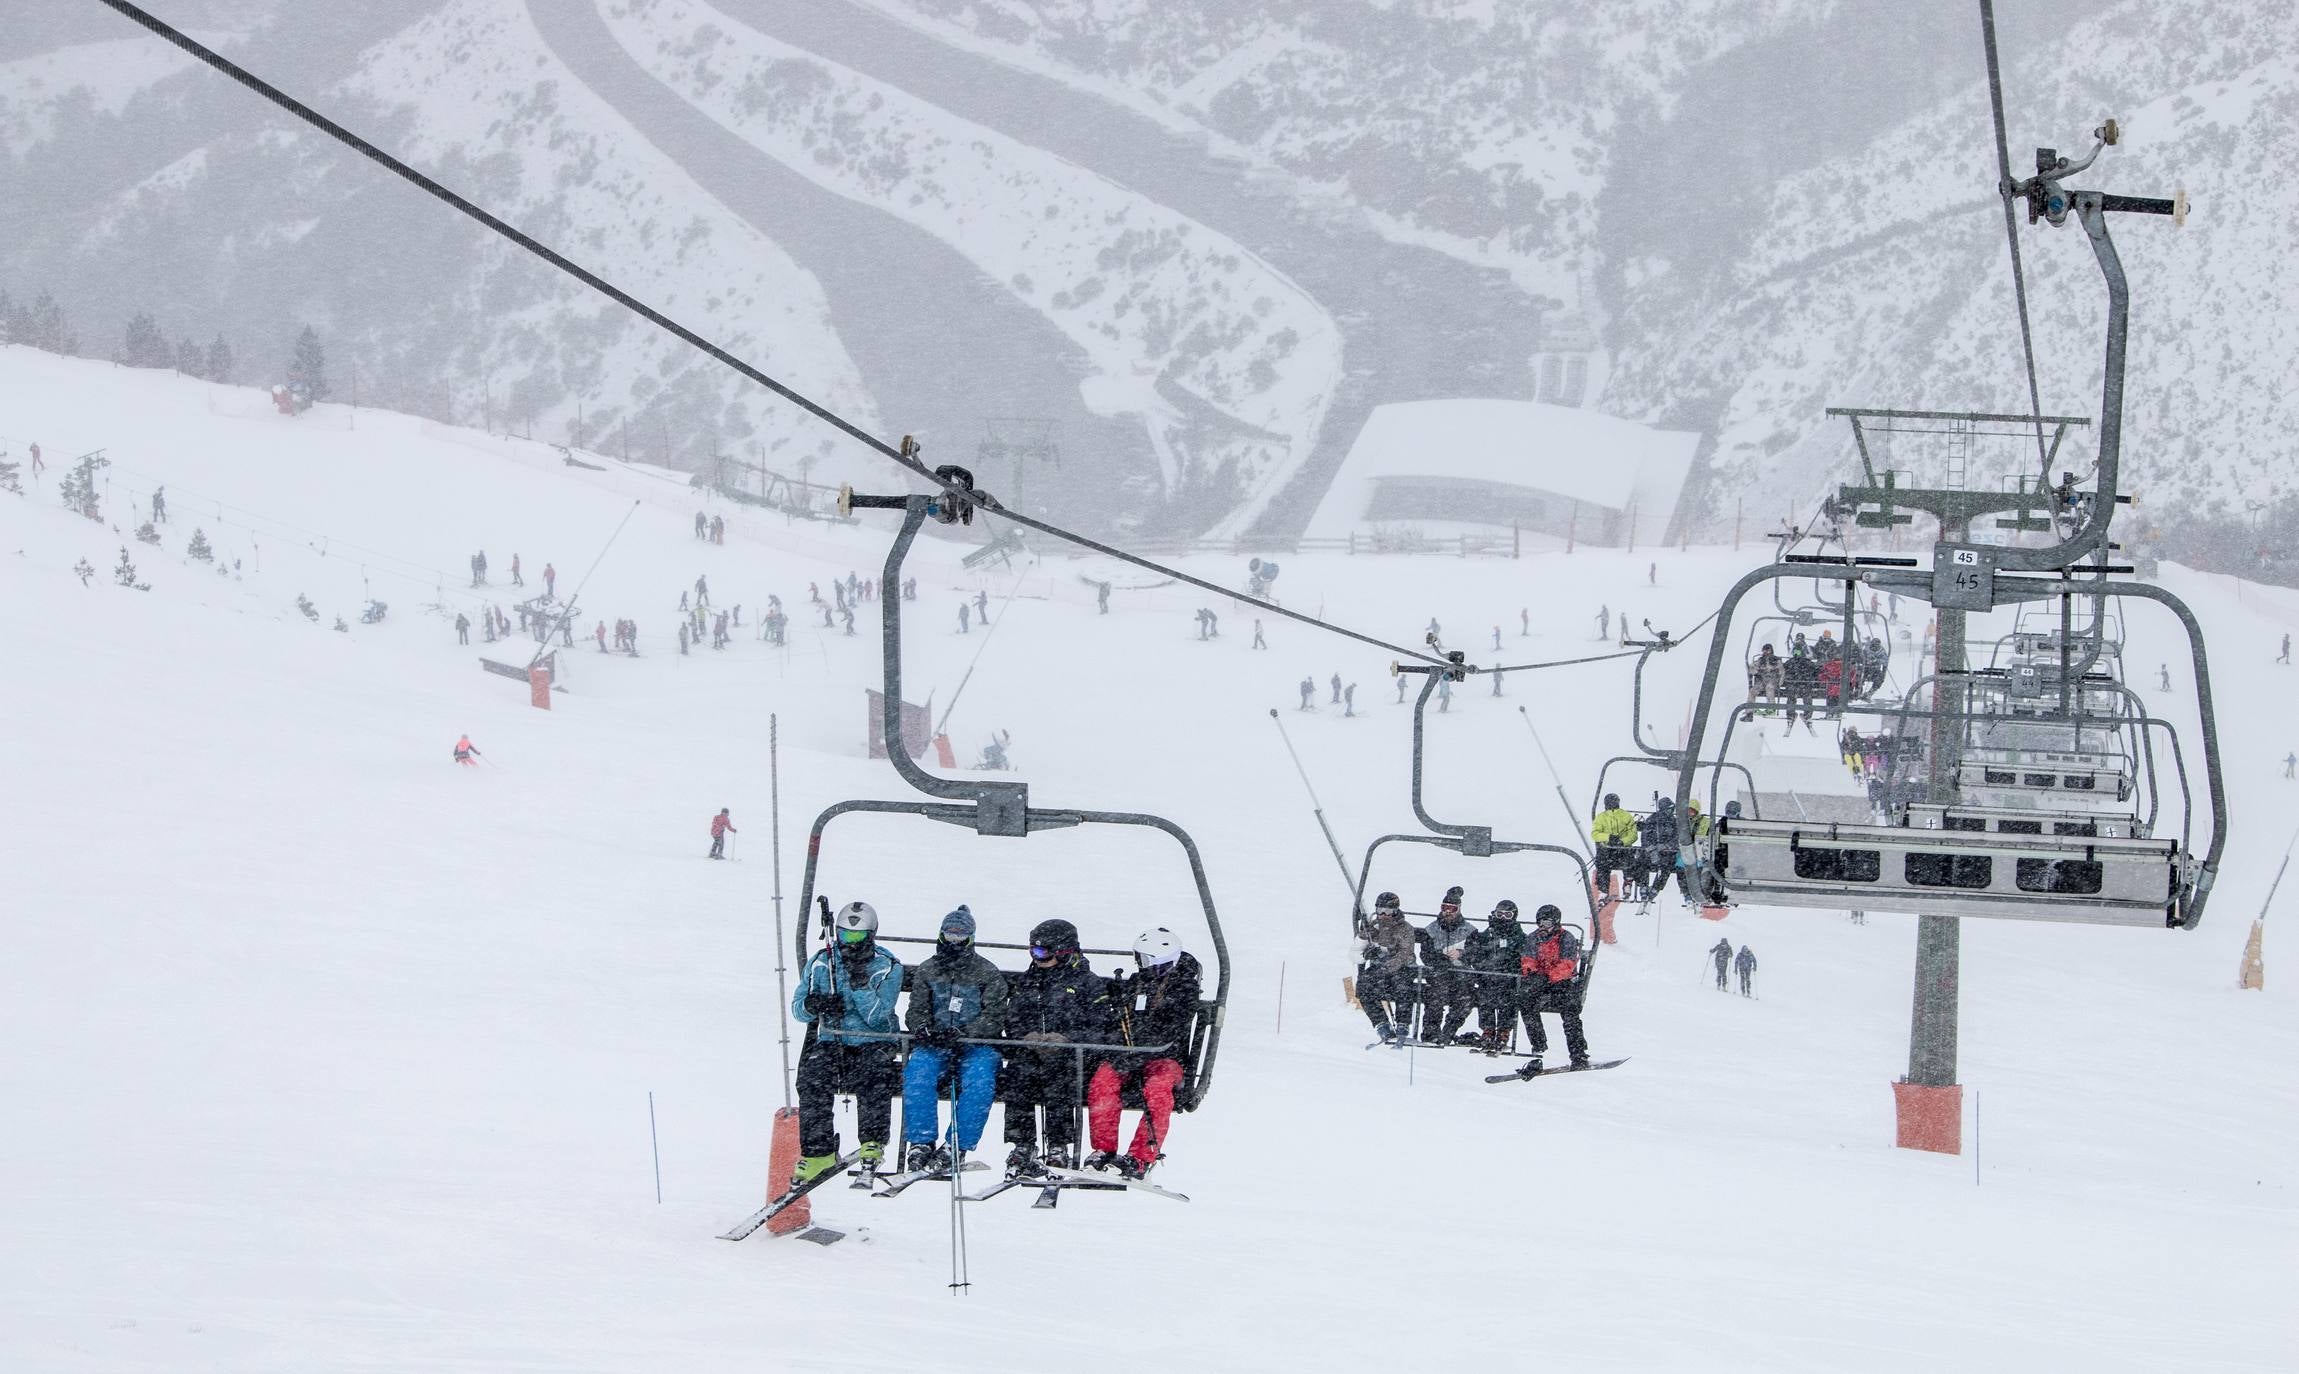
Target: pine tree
(8,479)
(191,359)
(307,371)
(79,486)
(302,603)
(148,533)
(45,326)
(199,547)
(125,573)
(218,365)
(142,345)
(8,329)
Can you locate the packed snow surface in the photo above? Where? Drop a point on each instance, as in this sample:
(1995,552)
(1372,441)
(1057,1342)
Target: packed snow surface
(325,1053)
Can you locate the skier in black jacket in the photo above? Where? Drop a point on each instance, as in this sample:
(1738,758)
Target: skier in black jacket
(1658,835)
(1057,1000)
(1157,1006)
(1495,953)
(1447,996)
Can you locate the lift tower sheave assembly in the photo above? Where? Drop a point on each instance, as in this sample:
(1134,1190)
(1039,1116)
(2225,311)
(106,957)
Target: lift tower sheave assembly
(2025,789)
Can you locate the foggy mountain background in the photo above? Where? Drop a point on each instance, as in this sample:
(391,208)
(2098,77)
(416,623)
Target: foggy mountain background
(1202,238)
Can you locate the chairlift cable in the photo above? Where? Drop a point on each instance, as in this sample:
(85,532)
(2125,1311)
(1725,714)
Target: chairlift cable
(291,105)
(2004,189)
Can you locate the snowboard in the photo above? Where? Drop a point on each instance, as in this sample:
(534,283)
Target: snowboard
(1586,1068)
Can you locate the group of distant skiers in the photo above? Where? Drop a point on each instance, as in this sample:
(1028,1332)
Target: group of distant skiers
(984,1034)
(1743,963)
(1449,968)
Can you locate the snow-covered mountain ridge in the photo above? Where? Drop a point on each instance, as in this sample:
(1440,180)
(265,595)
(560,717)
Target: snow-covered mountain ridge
(1203,241)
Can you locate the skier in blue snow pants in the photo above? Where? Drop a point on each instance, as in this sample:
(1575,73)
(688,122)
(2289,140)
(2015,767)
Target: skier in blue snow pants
(955,994)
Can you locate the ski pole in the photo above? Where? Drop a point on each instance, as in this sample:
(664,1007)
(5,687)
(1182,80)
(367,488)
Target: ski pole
(1316,807)
(781,951)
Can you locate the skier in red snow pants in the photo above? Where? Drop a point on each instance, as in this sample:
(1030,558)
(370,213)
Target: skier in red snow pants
(719,826)
(1155,1007)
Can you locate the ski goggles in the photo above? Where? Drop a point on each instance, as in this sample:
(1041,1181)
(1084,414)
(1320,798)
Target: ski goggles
(856,936)
(1047,951)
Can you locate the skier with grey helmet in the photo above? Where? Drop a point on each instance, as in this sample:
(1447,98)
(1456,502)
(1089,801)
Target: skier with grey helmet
(850,985)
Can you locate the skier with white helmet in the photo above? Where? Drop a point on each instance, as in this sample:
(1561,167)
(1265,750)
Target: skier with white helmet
(851,984)
(1156,1007)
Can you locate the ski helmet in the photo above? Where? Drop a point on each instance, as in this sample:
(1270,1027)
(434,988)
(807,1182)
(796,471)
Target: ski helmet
(1387,902)
(856,923)
(1548,915)
(1156,948)
(1612,801)
(1505,910)
(1055,936)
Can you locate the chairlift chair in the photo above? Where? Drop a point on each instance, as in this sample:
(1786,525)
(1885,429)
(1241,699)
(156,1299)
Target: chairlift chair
(1477,842)
(1955,856)
(1002,808)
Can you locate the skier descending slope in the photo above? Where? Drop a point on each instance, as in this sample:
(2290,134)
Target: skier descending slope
(722,825)
(955,994)
(466,752)
(851,985)
(1152,1008)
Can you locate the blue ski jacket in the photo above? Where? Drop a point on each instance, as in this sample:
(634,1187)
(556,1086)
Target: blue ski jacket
(869,998)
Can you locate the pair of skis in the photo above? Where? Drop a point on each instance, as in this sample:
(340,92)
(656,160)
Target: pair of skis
(1053,1181)
(742,1229)
(861,1178)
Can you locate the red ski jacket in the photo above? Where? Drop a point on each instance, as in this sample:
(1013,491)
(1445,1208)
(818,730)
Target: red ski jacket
(1556,957)
(719,825)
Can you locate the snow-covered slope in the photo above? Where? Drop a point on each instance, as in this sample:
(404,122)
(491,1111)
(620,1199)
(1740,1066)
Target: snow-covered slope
(324,1052)
(221,217)
(1883,278)
(484,89)
(1227,364)
(1482,130)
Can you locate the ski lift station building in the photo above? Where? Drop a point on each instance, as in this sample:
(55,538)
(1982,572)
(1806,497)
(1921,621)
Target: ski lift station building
(1425,473)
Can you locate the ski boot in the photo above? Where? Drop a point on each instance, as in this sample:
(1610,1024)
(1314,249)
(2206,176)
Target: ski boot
(812,1167)
(1132,1168)
(1490,1042)
(871,1155)
(926,1159)
(1391,1033)
(1023,1162)
(1101,1160)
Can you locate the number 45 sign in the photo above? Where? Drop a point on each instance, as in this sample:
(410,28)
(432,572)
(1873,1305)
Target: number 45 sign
(1964,577)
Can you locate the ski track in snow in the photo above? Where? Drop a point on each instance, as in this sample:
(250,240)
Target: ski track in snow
(325,1053)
